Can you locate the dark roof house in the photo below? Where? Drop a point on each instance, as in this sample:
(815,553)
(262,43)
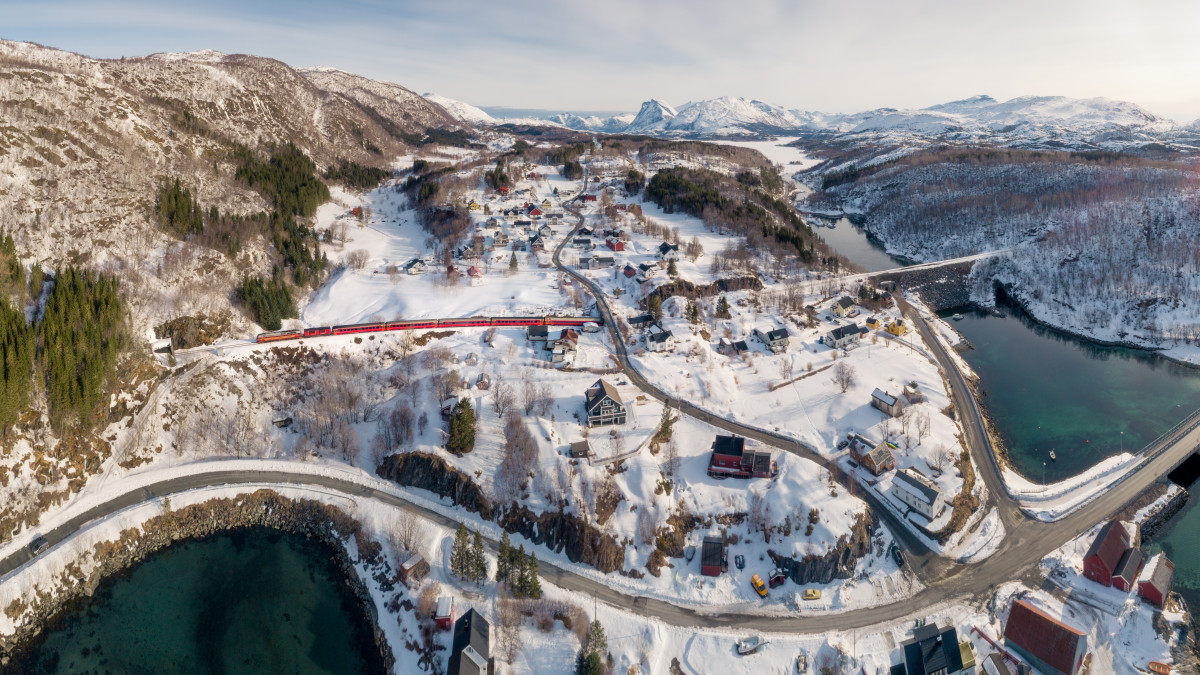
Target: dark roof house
(712,556)
(603,404)
(470,653)
(933,650)
(1049,644)
(1106,552)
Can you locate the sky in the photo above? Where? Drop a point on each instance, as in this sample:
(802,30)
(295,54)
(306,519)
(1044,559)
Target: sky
(839,56)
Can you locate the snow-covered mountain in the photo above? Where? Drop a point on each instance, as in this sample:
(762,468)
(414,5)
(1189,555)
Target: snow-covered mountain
(654,116)
(463,112)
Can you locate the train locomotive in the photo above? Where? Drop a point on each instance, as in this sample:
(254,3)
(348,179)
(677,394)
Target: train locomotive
(425,324)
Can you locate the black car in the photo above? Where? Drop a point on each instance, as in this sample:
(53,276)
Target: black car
(38,545)
(898,556)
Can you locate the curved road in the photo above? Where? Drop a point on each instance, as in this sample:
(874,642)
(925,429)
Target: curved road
(1027,541)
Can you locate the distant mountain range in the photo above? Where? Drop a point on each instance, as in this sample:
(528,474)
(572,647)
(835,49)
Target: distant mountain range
(1026,121)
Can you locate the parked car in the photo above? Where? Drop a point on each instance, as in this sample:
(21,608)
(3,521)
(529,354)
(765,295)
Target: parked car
(759,587)
(812,594)
(38,544)
(898,556)
(739,561)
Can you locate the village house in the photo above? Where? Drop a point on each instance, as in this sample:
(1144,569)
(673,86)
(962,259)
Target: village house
(1155,583)
(712,556)
(601,260)
(501,239)
(545,231)
(470,652)
(414,266)
(546,204)
(891,406)
(936,651)
(873,323)
(536,243)
(776,340)
(897,327)
(668,251)
(733,347)
(875,457)
(647,270)
(1125,575)
(584,232)
(660,342)
(629,271)
(603,405)
(843,306)
(917,492)
(581,243)
(1048,644)
(731,457)
(640,321)
(614,244)
(1108,549)
(843,336)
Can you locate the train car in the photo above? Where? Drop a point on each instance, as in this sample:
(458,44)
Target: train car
(466,322)
(277,335)
(572,320)
(412,325)
(518,321)
(358,328)
(318,332)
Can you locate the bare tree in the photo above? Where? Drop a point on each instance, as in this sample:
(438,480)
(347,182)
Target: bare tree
(407,531)
(422,423)
(922,426)
(502,396)
(671,458)
(646,527)
(843,375)
(357,259)
(545,400)
(940,458)
(529,396)
(509,637)
(785,367)
(407,343)
(906,424)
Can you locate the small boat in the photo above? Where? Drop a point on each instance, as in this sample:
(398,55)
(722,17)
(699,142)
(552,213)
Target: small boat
(1052,456)
(801,663)
(957,317)
(751,644)
(1160,668)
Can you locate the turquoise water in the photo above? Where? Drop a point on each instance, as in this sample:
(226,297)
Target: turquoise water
(1049,391)
(255,601)
(1180,540)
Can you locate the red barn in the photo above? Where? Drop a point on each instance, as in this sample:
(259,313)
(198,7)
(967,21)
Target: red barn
(712,556)
(1050,645)
(615,244)
(589,198)
(1106,552)
(1155,584)
(1127,570)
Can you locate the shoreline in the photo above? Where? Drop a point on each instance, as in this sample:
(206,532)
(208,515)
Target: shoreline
(327,526)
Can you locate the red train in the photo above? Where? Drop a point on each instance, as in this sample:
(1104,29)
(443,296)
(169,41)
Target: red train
(424,324)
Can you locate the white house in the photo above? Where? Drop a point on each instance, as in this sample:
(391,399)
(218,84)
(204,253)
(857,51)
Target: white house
(660,341)
(917,492)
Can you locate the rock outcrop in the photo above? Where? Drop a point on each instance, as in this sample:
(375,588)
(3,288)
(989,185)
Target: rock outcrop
(838,563)
(432,473)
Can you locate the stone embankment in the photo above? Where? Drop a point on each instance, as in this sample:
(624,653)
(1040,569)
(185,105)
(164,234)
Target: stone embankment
(264,508)
(838,563)
(1164,512)
(940,288)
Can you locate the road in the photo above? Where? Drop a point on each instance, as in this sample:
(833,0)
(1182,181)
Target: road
(1026,543)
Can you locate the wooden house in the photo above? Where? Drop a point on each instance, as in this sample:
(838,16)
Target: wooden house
(1125,575)
(470,652)
(661,341)
(413,570)
(581,449)
(936,651)
(668,251)
(443,614)
(891,406)
(843,306)
(897,327)
(917,492)
(603,405)
(843,336)
(1155,583)
(1048,644)
(731,458)
(629,271)
(776,340)
(875,457)
(614,244)
(1107,549)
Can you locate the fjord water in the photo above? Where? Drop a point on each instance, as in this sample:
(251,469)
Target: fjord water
(852,242)
(1046,390)
(253,601)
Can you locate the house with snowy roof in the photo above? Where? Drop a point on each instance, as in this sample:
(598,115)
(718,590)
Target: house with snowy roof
(917,492)
(1053,647)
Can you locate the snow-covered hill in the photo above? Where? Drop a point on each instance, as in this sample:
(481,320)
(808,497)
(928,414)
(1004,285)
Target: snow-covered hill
(463,112)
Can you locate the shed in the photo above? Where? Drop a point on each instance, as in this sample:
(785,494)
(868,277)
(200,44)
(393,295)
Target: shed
(1050,645)
(413,570)
(1126,573)
(890,405)
(1155,583)
(581,449)
(1106,551)
(443,615)
(712,556)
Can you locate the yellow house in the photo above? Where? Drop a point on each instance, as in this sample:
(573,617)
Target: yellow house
(545,203)
(473,206)
(873,323)
(897,327)
(843,306)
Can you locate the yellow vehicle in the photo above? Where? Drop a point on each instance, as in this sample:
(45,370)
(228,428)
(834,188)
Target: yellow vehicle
(759,587)
(812,594)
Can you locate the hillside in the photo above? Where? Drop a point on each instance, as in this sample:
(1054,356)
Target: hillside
(85,143)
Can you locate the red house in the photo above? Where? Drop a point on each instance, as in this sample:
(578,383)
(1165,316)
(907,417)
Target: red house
(503,190)
(443,616)
(1155,584)
(1050,645)
(1127,570)
(589,198)
(1106,551)
(535,212)
(712,556)
(615,244)
(731,457)
(630,271)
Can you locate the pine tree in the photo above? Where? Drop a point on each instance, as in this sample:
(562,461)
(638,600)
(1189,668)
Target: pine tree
(722,308)
(512,263)
(460,553)
(462,428)
(597,640)
(518,573)
(654,307)
(502,560)
(672,270)
(534,585)
(588,663)
(478,560)
(693,312)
